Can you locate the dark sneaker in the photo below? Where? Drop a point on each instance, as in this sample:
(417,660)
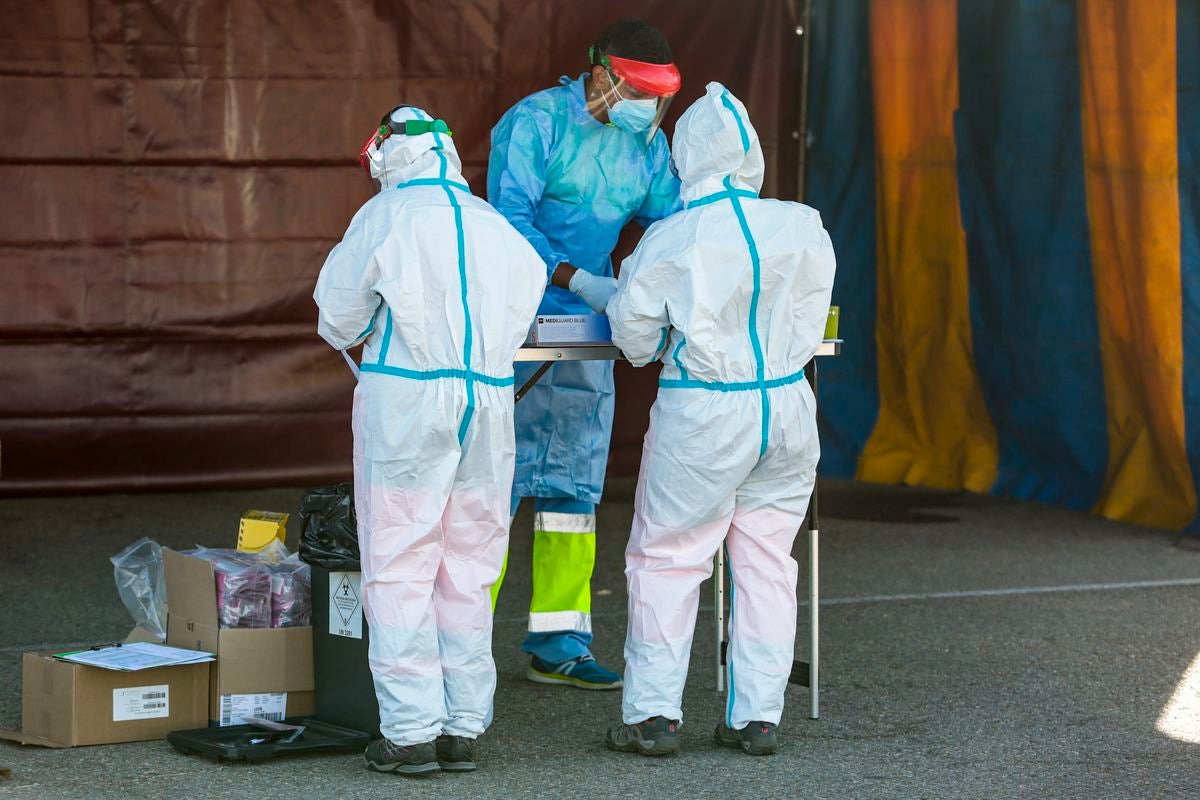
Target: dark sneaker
(657,736)
(582,673)
(757,738)
(414,759)
(456,753)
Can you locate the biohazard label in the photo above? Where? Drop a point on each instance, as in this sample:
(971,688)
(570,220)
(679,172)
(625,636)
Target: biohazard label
(345,605)
(141,702)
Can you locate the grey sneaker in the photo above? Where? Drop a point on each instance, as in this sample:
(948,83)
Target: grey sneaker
(414,759)
(456,753)
(657,736)
(757,738)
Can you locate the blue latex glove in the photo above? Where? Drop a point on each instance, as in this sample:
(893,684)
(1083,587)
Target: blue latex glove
(595,290)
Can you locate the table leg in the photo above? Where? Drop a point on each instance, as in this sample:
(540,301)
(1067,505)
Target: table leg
(814,605)
(814,593)
(534,378)
(719,614)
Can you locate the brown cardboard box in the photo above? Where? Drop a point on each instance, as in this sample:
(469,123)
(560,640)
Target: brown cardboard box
(253,664)
(64,704)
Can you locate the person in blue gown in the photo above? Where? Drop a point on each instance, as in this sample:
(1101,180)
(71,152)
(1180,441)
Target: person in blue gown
(570,166)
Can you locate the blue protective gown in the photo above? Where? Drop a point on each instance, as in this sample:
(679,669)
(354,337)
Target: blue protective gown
(569,184)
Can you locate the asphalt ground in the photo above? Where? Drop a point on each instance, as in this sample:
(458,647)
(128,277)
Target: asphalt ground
(972,648)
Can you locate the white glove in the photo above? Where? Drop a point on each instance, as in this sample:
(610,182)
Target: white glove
(594,290)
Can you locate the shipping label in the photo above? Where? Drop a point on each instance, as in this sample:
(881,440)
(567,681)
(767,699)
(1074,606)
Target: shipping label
(236,707)
(141,702)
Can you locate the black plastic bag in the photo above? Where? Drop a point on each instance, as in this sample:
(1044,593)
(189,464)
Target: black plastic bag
(329,529)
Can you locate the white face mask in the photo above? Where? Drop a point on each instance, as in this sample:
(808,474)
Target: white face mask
(378,168)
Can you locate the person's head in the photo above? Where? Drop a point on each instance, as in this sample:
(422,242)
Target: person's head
(714,141)
(633,77)
(404,136)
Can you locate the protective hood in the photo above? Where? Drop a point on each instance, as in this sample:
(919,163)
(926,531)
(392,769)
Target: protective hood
(714,140)
(404,158)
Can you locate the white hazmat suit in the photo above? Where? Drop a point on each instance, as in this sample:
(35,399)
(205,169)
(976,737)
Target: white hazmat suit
(732,294)
(443,290)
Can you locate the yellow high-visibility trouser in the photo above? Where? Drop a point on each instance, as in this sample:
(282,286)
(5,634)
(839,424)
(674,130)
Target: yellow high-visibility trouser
(564,554)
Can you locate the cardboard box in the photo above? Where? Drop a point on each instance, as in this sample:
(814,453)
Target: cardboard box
(255,666)
(65,705)
(258,529)
(552,329)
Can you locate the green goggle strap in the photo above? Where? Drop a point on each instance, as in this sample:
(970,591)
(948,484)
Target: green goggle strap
(418,127)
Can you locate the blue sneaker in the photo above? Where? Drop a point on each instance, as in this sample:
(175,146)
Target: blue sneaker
(582,673)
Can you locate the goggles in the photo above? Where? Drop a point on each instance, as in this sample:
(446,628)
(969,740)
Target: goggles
(389,127)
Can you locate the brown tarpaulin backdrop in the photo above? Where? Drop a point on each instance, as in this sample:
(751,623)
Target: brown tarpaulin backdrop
(172,175)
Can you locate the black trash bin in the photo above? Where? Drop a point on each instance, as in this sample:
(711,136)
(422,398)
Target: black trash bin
(345,694)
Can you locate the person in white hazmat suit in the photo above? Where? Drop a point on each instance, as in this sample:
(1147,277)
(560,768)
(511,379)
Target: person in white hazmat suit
(441,290)
(732,295)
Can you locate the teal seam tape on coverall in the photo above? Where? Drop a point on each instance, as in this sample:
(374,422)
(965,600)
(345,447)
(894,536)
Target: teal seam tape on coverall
(759,366)
(462,187)
(675,357)
(712,198)
(718,386)
(387,340)
(468,374)
(733,194)
(462,276)
(738,119)
(438,374)
(661,350)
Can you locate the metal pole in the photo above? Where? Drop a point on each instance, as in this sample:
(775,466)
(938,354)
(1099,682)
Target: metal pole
(814,593)
(719,614)
(804,32)
(814,600)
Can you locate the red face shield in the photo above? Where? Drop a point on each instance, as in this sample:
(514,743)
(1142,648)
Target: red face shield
(637,80)
(657,80)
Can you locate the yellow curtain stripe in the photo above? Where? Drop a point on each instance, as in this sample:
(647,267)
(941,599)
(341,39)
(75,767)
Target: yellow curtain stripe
(1128,73)
(933,428)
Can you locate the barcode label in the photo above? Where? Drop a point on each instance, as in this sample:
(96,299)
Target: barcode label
(235,708)
(141,702)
